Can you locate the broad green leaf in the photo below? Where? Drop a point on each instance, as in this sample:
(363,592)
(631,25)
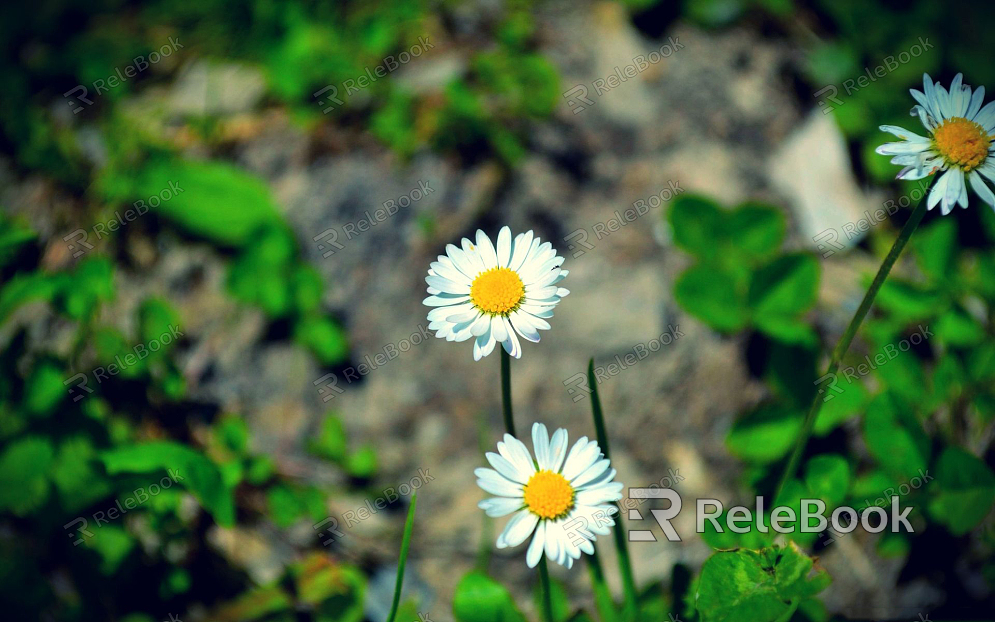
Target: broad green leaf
(756,230)
(904,376)
(113,543)
(843,406)
(44,388)
(75,478)
(91,283)
(210,199)
(155,317)
(25,288)
(362,462)
(13,236)
(195,472)
(712,295)
(895,437)
(786,286)
(23,482)
(479,598)
(957,328)
(698,225)
(324,338)
(791,372)
(759,586)
(828,477)
(936,248)
(764,434)
(787,330)
(966,490)
(331,443)
(907,301)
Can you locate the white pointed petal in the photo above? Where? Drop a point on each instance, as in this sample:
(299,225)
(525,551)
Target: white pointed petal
(496,507)
(486,250)
(518,454)
(903,133)
(504,466)
(581,456)
(537,545)
(540,445)
(977,98)
(981,188)
(518,529)
(443,300)
(590,474)
(504,247)
(492,481)
(523,326)
(936,194)
(557,450)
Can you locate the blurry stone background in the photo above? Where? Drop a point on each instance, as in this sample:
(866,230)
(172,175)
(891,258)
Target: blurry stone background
(721,116)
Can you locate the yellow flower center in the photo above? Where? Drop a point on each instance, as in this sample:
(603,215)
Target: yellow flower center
(498,291)
(549,495)
(962,143)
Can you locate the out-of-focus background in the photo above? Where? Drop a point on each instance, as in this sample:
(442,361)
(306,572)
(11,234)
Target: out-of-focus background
(218,391)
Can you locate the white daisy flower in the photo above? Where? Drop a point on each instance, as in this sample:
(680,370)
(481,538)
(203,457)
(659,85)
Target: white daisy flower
(959,143)
(548,495)
(493,293)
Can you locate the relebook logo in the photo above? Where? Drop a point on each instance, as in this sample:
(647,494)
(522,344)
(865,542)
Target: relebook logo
(742,519)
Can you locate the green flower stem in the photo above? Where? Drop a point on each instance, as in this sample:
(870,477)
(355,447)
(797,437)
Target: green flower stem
(405,545)
(547,595)
(602,595)
(621,544)
(849,333)
(509,420)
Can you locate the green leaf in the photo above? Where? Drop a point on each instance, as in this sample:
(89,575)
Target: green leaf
(756,231)
(194,471)
(331,443)
(25,288)
(44,388)
(23,483)
(733,238)
(75,478)
(936,248)
(786,286)
(760,586)
(712,295)
(909,302)
(842,406)
(957,328)
(362,462)
(478,598)
(210,199)
(967,490)
(155,317)
(895,437)
(13,235)
(324,338)
(697,224)
(765,434)
(828,478)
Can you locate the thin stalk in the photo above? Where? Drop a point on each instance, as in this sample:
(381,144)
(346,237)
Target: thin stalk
(602,595)
(621,544)
(405,545)
(509,420)
(851,330)
(547,595)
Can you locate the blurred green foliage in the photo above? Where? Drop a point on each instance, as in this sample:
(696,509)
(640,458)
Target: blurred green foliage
(918,392)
